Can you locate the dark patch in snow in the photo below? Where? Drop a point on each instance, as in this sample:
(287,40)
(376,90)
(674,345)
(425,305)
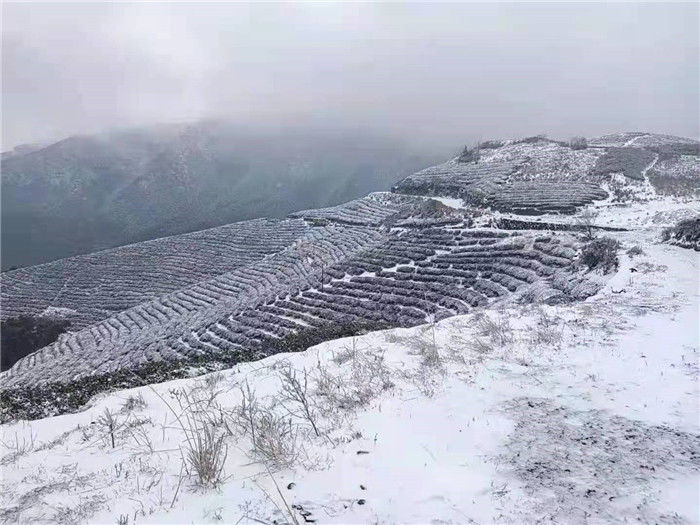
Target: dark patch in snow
(589,466)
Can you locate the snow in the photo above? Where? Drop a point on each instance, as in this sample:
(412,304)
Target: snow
(54,312)
(633,140)
(661,211)
(580,413)
(451,202)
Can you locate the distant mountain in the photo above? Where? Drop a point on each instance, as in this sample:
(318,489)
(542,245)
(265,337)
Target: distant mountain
(87,193)
(22,149)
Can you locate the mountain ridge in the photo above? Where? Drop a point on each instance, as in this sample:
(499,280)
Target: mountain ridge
(87,193)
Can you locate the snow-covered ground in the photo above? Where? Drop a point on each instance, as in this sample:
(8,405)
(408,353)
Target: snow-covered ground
(582,413)
(633,215)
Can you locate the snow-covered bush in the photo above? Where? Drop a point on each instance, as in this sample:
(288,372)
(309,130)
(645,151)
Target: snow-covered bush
(134,402)
(475,197)
(470,154)
(360,380)
(685,233)
(577,143)
(601,254)
(497,329)
(491,144)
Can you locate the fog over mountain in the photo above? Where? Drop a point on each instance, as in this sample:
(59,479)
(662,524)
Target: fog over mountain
(86,193)
(233,111)
(432,73)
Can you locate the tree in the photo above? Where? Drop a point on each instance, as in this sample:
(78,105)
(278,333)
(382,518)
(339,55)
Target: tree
(586,222)
(470,154)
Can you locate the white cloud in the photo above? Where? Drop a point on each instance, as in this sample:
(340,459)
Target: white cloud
(452,71)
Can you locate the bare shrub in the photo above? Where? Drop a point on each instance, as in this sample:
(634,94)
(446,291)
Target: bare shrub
(200,419)
(274,437)
(427,377)
(136,429)
(548,331)
(496,330)
(481,346)
(343,356)
(109,422)
(15,448)
(366,378)
(199,404)
(346,353)
(212,381)
(134,402)
(586,221)
(635,250)
(294,390)
(489,334)
(426,345)
(431,357)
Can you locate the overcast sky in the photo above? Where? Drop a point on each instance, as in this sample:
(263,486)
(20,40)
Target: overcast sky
(434,73)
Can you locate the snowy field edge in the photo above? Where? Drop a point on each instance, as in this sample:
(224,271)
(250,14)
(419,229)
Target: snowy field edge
(580,413)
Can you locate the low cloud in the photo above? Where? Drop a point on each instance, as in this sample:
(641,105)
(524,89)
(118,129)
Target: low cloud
(430,73)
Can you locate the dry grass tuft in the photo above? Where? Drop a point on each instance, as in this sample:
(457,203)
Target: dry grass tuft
(206,454)
(274,437)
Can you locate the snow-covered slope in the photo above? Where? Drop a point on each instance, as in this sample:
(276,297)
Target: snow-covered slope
(248,290)
(340,274)
(577,413)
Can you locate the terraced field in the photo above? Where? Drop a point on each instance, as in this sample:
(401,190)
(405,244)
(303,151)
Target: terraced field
(497,185)
(370,211)
(617,140)
(352,275)
(389,259)
(540,176)
(545,161)
(150,330)
(98,285)
(455,178)
(534,198)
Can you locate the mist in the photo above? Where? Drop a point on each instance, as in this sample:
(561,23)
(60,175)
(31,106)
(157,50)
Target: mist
(431,74)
